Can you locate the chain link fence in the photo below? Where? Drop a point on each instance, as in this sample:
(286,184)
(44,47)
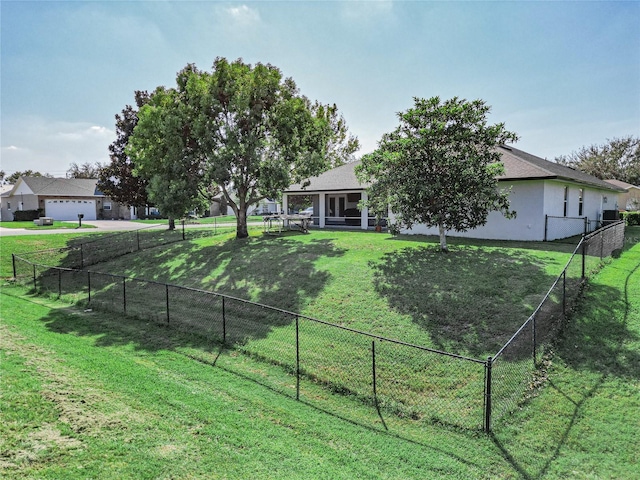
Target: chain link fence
(82,253)
(519,365)
(396,378)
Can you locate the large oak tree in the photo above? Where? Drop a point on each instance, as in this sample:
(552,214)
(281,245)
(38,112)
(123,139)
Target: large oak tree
(240,130)
(439,167)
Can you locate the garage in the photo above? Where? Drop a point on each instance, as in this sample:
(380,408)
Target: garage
(61,209)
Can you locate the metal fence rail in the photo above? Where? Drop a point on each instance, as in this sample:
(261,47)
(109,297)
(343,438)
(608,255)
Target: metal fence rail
(513,366)
(396,378)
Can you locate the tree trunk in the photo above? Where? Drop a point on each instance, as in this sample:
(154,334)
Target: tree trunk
(241,222)
(172,223)
(443,238)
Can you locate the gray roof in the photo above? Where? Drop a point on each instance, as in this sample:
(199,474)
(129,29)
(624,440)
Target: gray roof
(518,165)
(339,178)
(68,187)
(624,185)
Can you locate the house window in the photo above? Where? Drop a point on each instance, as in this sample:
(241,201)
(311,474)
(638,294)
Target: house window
(107,206)
(580,200)
(566,201)
(8,206)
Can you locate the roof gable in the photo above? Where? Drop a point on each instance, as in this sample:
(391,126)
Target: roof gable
(624,185)
(339,178)
(70,187)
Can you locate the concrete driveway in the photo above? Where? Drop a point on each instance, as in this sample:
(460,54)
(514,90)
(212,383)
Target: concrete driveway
(102,226)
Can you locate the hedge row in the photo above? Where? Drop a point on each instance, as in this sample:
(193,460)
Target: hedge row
(631,219)
(27,215)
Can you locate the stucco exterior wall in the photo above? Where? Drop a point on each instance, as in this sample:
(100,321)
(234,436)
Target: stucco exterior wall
(24,201)
(527,199)
(594,201)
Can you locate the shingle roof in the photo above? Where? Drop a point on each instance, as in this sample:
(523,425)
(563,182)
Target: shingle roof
(339,178)
(621,184)
(518,165)
(70,187)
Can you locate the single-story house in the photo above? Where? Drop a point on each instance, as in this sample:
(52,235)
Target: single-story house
(4,189)
(61,199)
(552,201)
(629,199)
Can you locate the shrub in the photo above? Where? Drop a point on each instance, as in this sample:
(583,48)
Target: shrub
(26,215)
(631,218)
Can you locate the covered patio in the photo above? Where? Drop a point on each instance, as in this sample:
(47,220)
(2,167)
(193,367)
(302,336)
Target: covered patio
(332,198)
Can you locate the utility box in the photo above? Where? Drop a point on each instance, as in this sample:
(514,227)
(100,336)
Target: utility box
(43,221)
(610,216)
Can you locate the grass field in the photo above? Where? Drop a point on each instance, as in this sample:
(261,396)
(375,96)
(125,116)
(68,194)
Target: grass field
(56,225)
(395,287)
(160,425)
(223,219)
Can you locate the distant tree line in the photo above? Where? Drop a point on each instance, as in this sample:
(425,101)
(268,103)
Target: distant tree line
(617,159)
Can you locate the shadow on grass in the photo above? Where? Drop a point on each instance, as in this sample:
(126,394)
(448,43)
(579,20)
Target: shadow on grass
(274,271)
(470,301)
(268,271)
(566,247)
(594,342)
(109,331)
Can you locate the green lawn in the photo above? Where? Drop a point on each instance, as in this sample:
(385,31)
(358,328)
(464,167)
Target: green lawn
(469,302)
(398,287)
(67,413)
(56,225)
(204,220)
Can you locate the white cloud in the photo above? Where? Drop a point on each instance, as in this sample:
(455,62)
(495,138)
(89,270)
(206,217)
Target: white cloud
(243,15)
(51,146)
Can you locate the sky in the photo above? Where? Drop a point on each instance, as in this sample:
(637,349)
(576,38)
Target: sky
(562,75)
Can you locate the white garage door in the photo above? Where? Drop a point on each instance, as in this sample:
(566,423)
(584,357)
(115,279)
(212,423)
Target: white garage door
(69,209)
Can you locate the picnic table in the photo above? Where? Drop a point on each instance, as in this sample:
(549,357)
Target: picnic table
(300,221)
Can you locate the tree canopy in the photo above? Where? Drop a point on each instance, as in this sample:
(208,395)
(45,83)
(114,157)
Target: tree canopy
(439,167)
(240,130)
(13,178)
(86,170)
(166,153)
(618,159)
(116,179)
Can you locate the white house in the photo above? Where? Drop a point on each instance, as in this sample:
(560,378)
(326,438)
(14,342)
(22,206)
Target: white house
(552,201)
(60,199)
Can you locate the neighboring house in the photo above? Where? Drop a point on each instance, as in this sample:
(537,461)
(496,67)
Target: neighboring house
(265,207)
(552,201)
(629,199)
(61,199)
(4,189)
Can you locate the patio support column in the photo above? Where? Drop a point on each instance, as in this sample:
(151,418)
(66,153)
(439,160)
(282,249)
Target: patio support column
(322,204)
(364,215)
(285,208)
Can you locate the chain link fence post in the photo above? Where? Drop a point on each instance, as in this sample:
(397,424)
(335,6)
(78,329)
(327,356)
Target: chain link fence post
(167,300)
(584,254)
(564,292)
(297,357)
(487,394)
